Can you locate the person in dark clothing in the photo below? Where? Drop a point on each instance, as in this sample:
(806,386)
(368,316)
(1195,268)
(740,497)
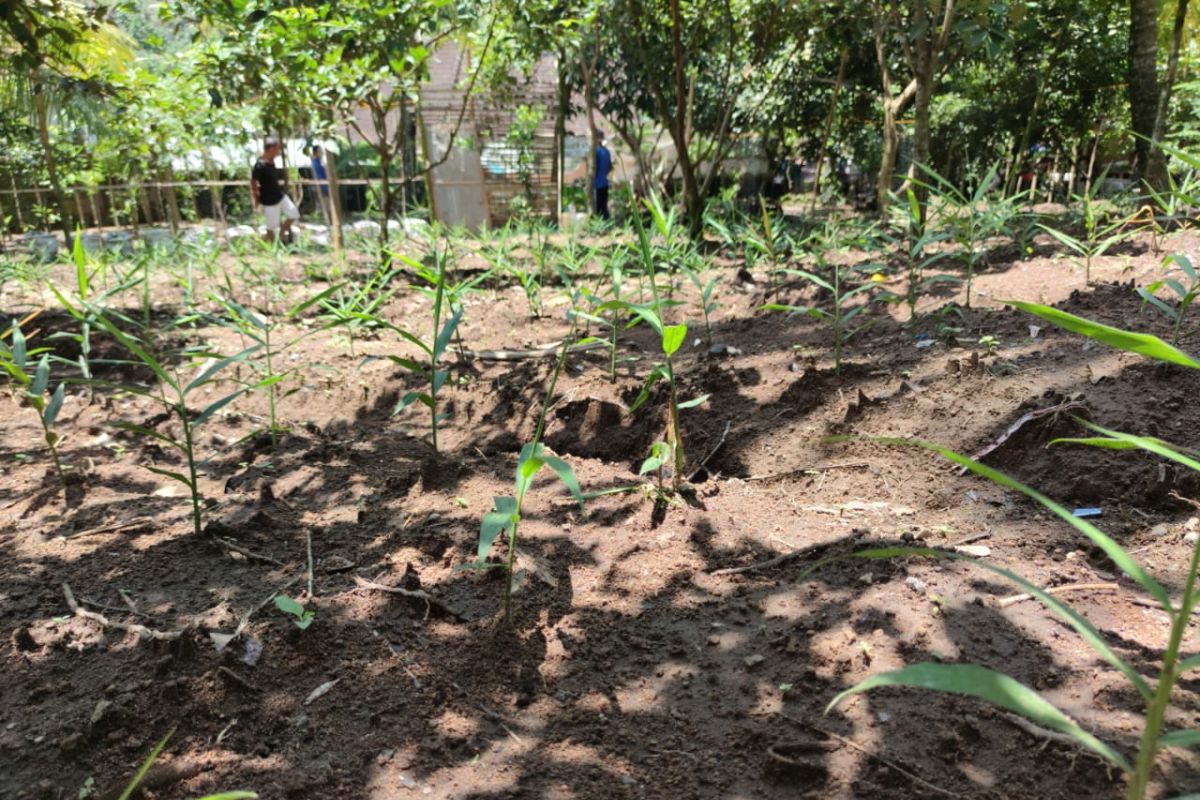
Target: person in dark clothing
(604,166)
(267,185)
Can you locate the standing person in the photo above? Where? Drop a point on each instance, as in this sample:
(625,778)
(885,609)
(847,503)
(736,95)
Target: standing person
(268,188)
(319,174)
(604,167)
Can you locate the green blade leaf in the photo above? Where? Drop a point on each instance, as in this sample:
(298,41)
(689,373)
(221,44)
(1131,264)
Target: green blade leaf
(660,453)
(649,317)
(288,605)
(994,687)
(695,401)
(1188,738)
(217,366)
(501,519)
(673,337)
(567,475)
(172,475)
(149,762)
(234,795)
(142,355)
(1147,295)
(812,278)
(299,309)
(1082,626)
(656,374)
(1070,241)
(1142,343)
(443,339)
(409,399)
(80,259)
(19,350)
(1189,663)
(207,413)
(54,406)
(410,365)
(1102,540)
(41,378)
(1147,443)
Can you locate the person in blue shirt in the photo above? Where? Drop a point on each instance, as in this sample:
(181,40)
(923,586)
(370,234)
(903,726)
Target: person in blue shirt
(604,167)
(318,171)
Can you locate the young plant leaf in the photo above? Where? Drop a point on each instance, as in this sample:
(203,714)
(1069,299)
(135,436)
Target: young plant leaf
(1142,343)
(54,406)
(660,454)
(41,378)
(501,519)
(149,762)
(1102,540)
(567,475)
(1188,738)
(673,337)
(288,606)
(1082,626)
(994,687)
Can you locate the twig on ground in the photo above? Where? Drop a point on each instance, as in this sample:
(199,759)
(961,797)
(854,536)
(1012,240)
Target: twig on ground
(250,554)
(712,451)
(490,713)
(812,550)
(974,537)
(308,547)
(1061,408)
(129,602)
(1185,500)
(814,468)
(139,630)
(1044,733)
(1075,587)
(420,594)
(106,607)
(238,679)
(111,528)
(160,776)
(872,754)
(245,620)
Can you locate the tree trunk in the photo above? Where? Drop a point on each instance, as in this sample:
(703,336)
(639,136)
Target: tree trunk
(16,201)
(560,139)
(385,194)
(589,98)
(43,123)
(335,201)
(144,201)
(693,203)
(1143,77)
(402,133)
(1010,182)
(837,89)
(174,218)
(1156,165)
(922,155)
(217,194)
(887,163)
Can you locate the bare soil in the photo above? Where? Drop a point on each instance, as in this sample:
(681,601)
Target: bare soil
(630,668)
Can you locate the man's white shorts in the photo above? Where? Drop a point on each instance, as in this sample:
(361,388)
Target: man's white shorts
(275,213)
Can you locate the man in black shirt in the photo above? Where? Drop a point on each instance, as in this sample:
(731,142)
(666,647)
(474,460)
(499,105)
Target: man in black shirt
(267,186)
